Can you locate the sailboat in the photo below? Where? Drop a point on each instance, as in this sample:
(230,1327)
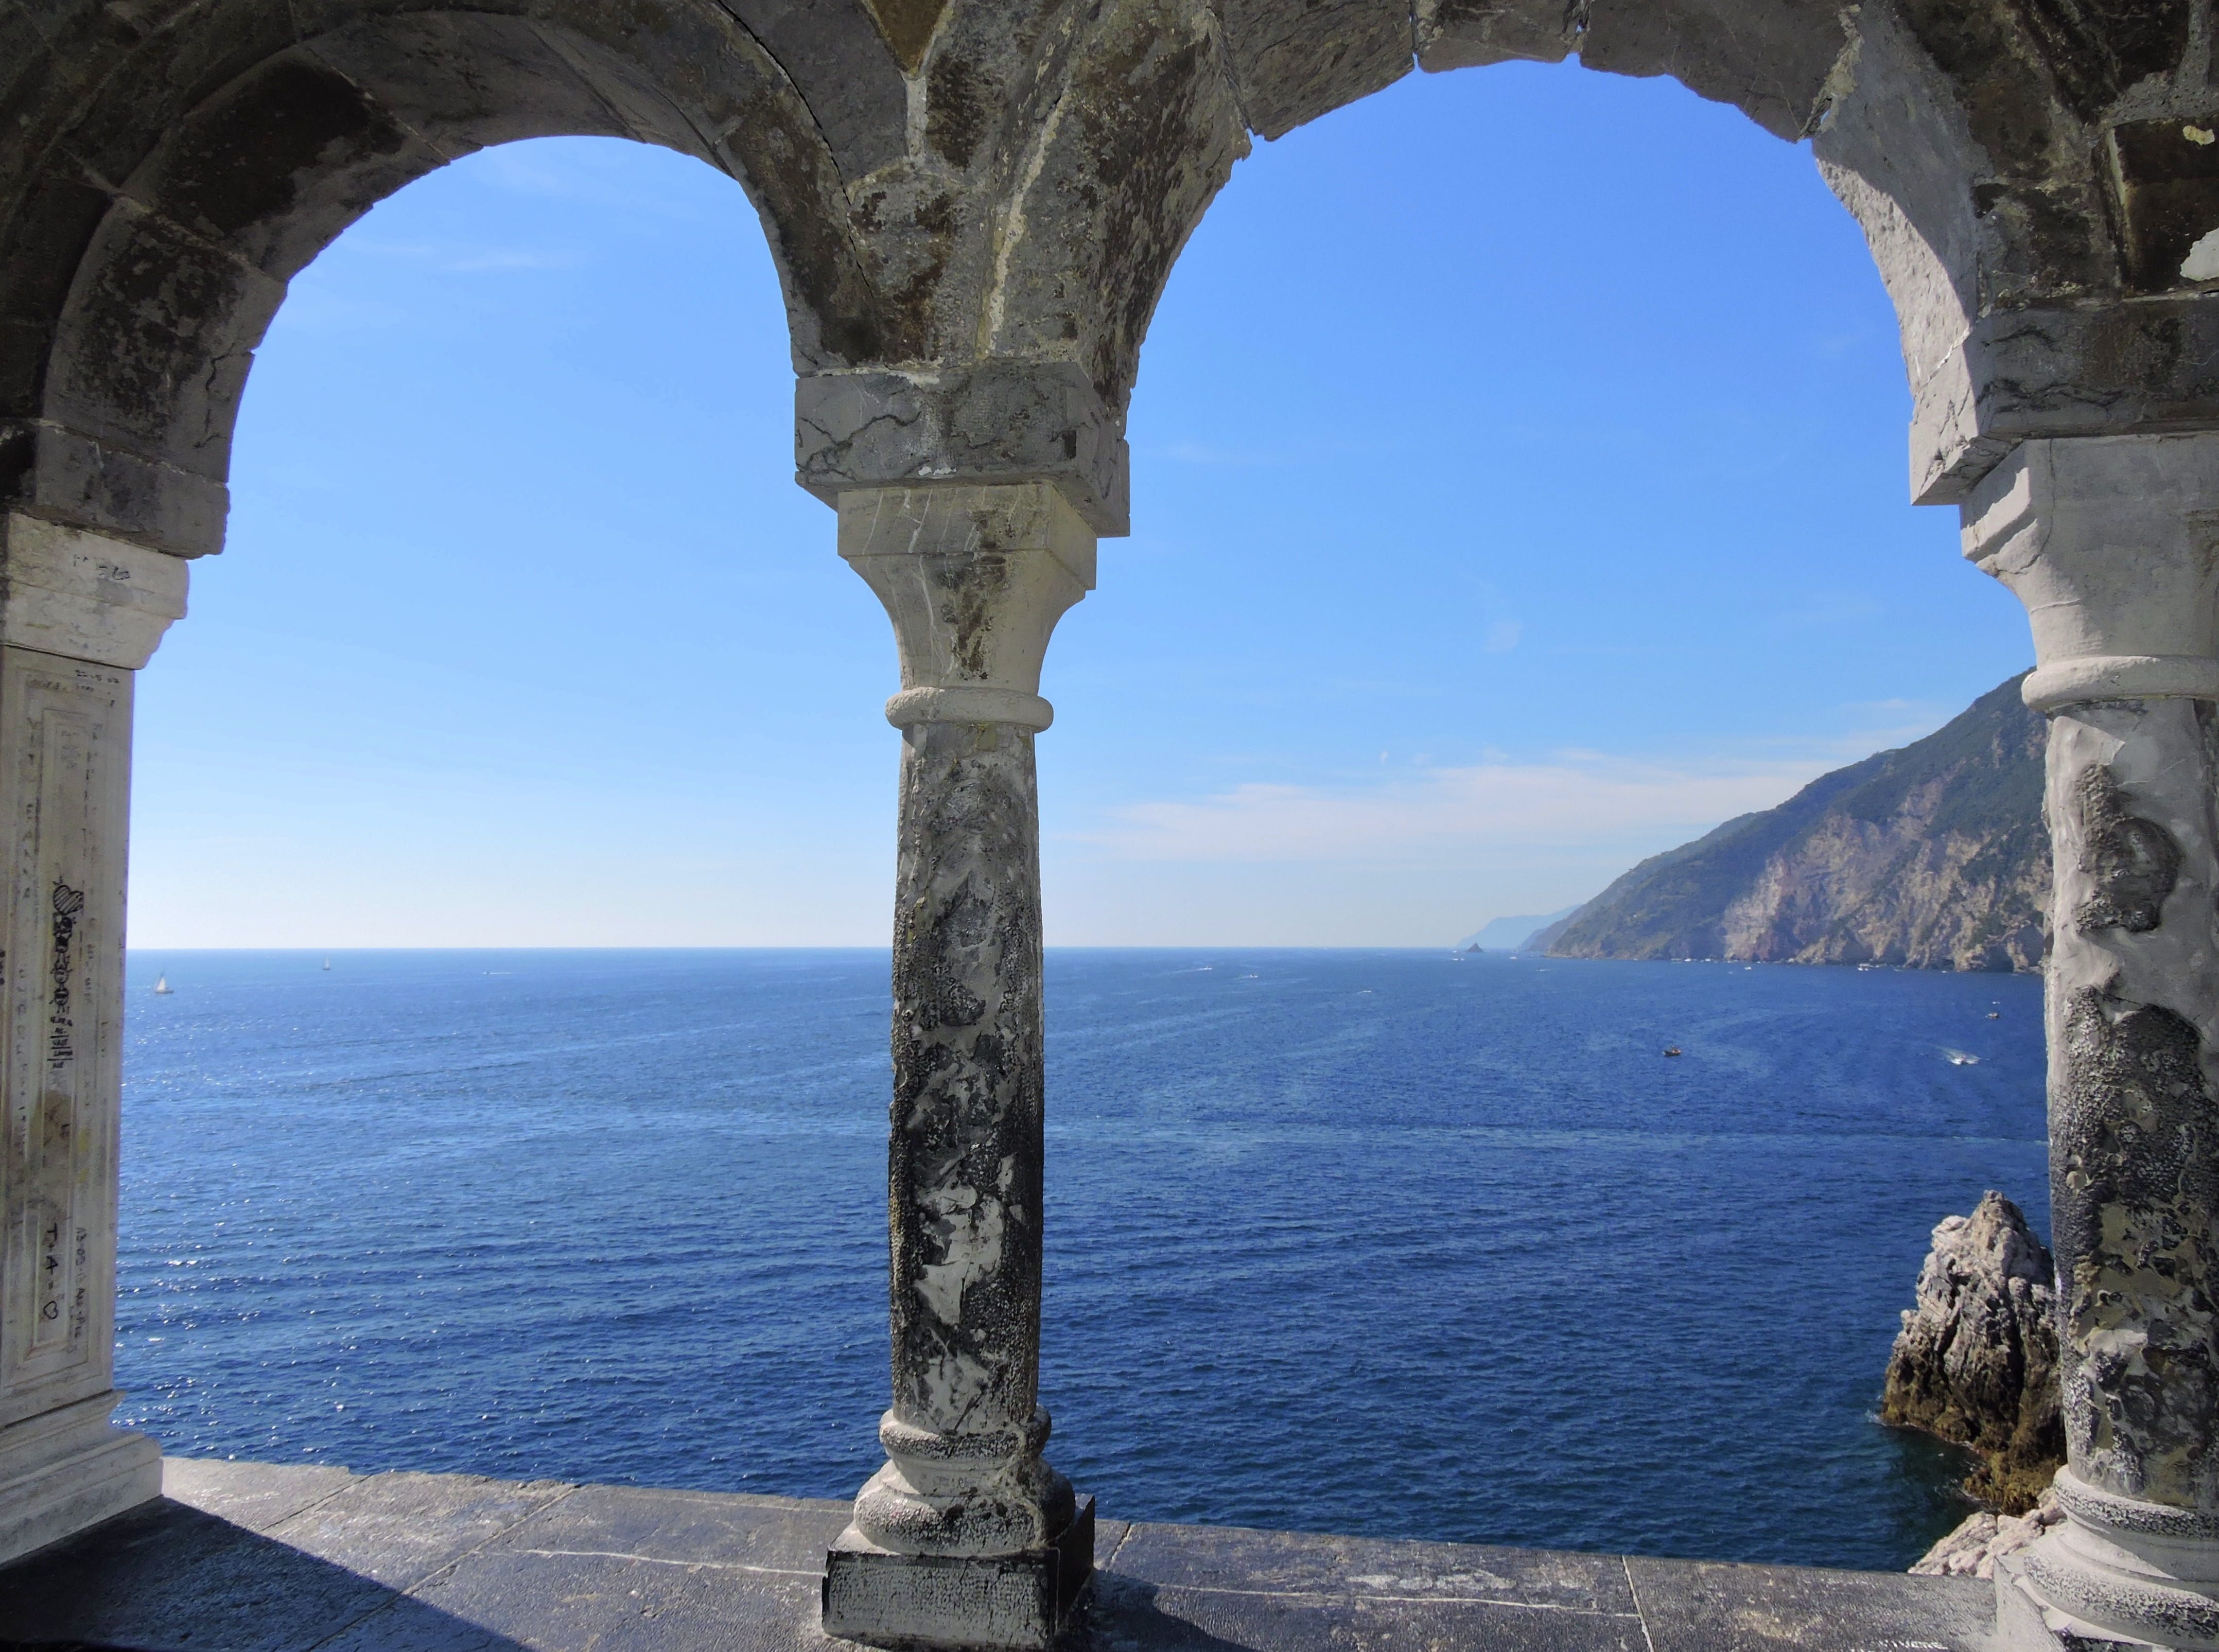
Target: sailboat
(327,963)
(162,986)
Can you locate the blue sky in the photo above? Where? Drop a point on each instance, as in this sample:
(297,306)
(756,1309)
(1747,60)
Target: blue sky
(1519,489)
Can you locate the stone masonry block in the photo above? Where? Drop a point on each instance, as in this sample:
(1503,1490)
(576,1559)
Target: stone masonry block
(1018,1602)
(1297,61)
(1000,422)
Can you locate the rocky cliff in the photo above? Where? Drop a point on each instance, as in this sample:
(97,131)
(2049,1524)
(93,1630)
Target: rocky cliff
(1976,1360)
(1933,855)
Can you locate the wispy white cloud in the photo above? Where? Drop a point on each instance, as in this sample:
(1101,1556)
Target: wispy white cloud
(1879,725)
(514,258)
(1211,453)
(1864,341)
(597,175)
(1573,801)
(318,307)
(456,259)
(1827,610)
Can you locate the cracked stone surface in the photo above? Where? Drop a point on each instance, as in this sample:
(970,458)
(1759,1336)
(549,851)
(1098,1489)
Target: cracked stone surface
(257,1558)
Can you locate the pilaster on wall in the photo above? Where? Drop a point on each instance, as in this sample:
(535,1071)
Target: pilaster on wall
(80,614)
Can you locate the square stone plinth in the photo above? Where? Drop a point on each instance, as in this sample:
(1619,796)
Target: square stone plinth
(1019,1602)
(67,1470)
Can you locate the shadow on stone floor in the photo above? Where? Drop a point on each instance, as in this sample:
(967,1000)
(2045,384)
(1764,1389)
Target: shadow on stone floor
(1122,1614)
(170,1578)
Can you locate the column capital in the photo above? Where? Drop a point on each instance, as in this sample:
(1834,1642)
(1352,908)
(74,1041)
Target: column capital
(974,577)
(2112,543)
(85,596)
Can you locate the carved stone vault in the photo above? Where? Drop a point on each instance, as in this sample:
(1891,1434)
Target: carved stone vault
(974,206)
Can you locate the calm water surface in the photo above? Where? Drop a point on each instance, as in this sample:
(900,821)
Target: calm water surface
(1383,1243)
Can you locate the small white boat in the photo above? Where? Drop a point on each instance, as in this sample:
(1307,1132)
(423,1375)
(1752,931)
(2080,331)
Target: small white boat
(1960,1059)
(162,986)
(327,963)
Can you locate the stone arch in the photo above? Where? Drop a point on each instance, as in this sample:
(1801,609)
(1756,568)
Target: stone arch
(152,245)
(1159,104)
(1145,134)
(1994,153)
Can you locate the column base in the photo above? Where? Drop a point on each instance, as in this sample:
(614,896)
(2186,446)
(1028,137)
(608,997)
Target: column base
(1008,1603)
(68,1469)
(2116,1572)
(2024,1623)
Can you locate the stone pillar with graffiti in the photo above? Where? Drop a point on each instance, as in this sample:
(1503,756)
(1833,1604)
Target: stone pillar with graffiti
(80,614)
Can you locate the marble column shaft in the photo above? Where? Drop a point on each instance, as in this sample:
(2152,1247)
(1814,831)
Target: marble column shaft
(81,612)
(2113,545)
(974,579)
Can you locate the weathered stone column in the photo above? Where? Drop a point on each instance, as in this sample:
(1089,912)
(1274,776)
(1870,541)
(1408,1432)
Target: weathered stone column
(966,1537)
(2113,545)
(81,612)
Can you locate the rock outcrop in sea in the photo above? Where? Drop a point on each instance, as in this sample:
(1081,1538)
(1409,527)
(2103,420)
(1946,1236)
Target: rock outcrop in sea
(1933,855)
(1976,1361)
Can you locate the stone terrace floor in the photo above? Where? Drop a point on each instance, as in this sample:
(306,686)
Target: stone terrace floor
(256,1558)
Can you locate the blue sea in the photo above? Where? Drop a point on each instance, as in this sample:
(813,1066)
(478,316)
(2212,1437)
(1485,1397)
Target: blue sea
(1389,1243)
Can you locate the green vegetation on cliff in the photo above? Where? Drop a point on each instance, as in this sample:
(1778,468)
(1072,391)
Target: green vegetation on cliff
(1932,856)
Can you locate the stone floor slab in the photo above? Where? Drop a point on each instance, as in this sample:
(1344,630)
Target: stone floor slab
(257,1495)
(398,1528)
(607,1603)
(775,1534)
(168,1578)
(1289,1563)
(269,1558)
(1128,1615)
(1709,1606)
